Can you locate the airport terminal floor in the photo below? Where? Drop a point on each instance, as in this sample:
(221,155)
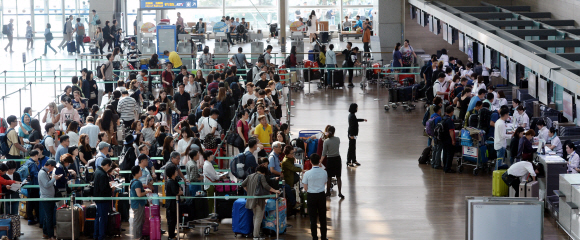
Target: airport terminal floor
(390,196)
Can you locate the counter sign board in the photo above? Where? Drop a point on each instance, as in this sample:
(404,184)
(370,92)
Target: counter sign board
(168,4)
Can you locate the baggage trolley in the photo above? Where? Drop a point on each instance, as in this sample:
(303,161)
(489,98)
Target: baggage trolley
(473,154)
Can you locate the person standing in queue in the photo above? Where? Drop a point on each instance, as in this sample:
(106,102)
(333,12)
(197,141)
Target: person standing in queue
(314,181)
(102,189)
(330,150)
(352,135)
(46,185)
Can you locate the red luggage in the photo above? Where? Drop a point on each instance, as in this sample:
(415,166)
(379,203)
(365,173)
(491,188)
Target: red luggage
(311,64)
(226,188)
(86,39)
(404,76)
(376,66)
(282,72)
(307,165)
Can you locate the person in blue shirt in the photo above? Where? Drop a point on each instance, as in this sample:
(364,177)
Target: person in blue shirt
(480,97)
(138,206)
(33,169)
(62,148)
(314,181)
(62,168)
(436,161)
(358,23)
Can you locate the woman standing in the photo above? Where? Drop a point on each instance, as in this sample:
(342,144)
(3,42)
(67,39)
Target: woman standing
(243,128)
(463,102)
(169,105)
(72,133)
(312,25)
(106,125)
(397,60)
(116,62)
(525,149)
(367,37)
(25,129)
(407,54)
(515,142)
(149,130)
(330,150)
(168,145)
(36,133)
(29,35)
(183,144)
(99,40)
(51,115)
(352,135)
(193,87)
(479,85)
(48,39)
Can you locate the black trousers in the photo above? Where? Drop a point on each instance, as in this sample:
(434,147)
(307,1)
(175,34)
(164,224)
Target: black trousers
(367,47)
(351,154)
(317,209)
(33,205)
(350,75)
(128,123)
(513,182)
(448,152)
(171,221)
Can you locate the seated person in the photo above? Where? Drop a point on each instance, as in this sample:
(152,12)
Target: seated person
(200,26)
(134,55)
(347,24)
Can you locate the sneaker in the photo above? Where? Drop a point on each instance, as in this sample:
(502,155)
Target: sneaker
(341,196)
(356,163)
(351,85)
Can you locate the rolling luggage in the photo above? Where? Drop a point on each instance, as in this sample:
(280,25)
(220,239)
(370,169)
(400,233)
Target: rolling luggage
(63,224)
(14,224)
(499,188)
(529,189)
(405,94)
(201,210)
(90,215)
(393,95)
(224,208)
(114,224)
(226,189)
(337,79)
(70,47)
(314,75)
(150,211)
(155,228)
(425,155)
(242,218)
(123,207)
(269,221)
(5,228)
(87,39)
(324,37)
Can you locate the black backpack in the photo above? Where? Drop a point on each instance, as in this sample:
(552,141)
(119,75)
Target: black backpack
(99,73)
(440,129)
(309,23)
(250,75)
(473,120)
(287,62)
(5,29)
(484,119)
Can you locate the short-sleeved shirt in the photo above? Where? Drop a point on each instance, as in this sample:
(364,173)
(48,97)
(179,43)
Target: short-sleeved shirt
(472,103)
(245,128)
(49,142)
(316,179)
(181,102)
(438,87)
(396,57)
(264,134)
(136,184)
(449,125)
(61,150)
(12,139)
(175,59)
(168,78)
(274,162)
(240,60)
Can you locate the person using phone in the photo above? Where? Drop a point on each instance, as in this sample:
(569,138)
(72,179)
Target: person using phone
(47,190)
(138,206)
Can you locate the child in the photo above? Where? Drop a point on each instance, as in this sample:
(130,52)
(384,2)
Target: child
(138,206)
(171,189)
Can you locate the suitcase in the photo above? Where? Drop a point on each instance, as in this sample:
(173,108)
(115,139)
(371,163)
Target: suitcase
(269,221)
(311,55)
(187,210)
(201,209)
(405,94)
(114,224)
(224,208)
(229,189)
(242,218)
(499,188)
(5,225)
(393,95)
(533,189)
(155,228)
(123,207)
(14,224)
(314,75)
(63,224)
(70,47)
(150,211)
(324,37)
(87,39)
(338,79)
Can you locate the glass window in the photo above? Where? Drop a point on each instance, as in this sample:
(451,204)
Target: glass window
(356,2)
(254,18)
(55,17)
(23,16)
(313,3)
(323,14)
(9,12)
(210,16)
(39,17)
(247,3)
(209,3)
(364,13)
(70,7)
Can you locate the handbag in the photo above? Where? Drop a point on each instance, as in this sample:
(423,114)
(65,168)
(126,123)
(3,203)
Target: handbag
(49,36)
(260,190)
(210,142)
(98,22)
(116,65)
(93,95)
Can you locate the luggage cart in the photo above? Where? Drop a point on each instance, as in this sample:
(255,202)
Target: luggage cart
(473,154)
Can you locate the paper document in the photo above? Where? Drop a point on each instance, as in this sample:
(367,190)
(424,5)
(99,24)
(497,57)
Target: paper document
(15,186)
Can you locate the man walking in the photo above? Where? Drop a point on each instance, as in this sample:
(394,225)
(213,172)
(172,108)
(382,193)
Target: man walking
(68,31)
(10,35)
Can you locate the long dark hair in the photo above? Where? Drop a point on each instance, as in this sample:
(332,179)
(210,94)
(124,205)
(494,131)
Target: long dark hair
(35,124)
(313,13)
(397,46)
(165,100)
(107,119)
(293,50)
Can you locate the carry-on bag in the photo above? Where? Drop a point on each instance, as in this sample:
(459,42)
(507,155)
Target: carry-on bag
(269,223)
(114,224)
(71,47)
(242,218)
(224,208)
(499,188)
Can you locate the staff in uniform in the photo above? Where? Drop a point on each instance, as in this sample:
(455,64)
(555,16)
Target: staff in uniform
(519,172)
(542,131)
(573,158)
(314,181)
(554,142)
(521,119)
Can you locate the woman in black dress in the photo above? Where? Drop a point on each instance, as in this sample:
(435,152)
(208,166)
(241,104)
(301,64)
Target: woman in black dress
(352,135)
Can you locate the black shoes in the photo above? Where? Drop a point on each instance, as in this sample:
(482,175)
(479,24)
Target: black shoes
(341,196)
(356,163)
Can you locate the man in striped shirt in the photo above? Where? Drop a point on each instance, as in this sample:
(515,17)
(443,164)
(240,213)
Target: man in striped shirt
(126,108)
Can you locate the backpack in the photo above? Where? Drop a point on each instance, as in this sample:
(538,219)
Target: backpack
(440,130)
(329,14)
(426,117)
(309,23)
(241,28)
(287,61)
(262,57)
(5,29)
(4,147)
(23,171)
(430,126)
(425,155)
(99,73)
(81,30)
(473,120)
(250,75)
(126,165)
(298,143)
(484,119)
(45,152)
(238,166)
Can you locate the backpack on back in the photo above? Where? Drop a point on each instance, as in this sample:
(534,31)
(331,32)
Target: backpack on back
(238,166)
(287,61)
(99,73)
(440,130)
(81,30)
(473,120)
(426,117)
(45,151)
(484,119)
(4,146)
(250,75)
(430,126)
(23,171)
(5,29)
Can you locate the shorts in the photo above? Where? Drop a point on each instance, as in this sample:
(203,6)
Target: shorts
(334,169)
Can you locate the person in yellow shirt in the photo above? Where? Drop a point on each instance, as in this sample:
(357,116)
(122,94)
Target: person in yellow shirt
(14,142)
(174,59)
(264,131)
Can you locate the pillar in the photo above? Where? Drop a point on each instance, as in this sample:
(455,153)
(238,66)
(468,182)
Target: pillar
(282,7)
(389,25)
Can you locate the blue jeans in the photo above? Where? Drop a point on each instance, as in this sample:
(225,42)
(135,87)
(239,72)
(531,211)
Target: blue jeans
(101,220)
(193,189)
(48,225)
(330,67)
(46,46)
(429,140)
(500,158)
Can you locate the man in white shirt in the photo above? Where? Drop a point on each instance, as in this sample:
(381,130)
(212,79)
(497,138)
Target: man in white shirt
(518,172)
(209,125)
(438,89)
(542,131)
(92,130)
(249,94)
(49,140)
(501,136)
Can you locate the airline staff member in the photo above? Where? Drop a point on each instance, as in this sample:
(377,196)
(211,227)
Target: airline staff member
(554,142)
(517,172)
(573,158)
(314,181)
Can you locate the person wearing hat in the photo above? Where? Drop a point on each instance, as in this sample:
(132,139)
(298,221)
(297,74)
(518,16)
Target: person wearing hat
(46,186)
(200,26)
(134,55)
(103,153)
(102,188)
(128,156)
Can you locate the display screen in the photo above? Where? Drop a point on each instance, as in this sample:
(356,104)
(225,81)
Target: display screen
(532,82)
(444,25)
(480,52)
(512,72)
(568,105)
(503,67)
(461,42)
(450,35)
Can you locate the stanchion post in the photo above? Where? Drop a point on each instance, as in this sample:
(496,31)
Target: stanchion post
(277,219)
(177,210)
(76,59)
(30,90)
(60,75)
(4,107)
(20,98)
(72,215)
(41,74)
(5,87)
(35,70)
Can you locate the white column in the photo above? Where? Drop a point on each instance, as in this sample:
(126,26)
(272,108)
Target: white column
(390,27)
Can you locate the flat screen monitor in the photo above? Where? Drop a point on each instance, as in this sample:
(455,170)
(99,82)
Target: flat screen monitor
(419,16)
(512,72)
(412,13)
(436,26)
(469,47)
(430,23)
(445,31)
(568,105)
(487,56)
(532,82)
(480,52)
(543,94)
(503,67)
(461,42)
(450,35)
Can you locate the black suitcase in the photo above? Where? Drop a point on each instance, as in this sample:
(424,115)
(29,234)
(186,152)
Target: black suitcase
(124,207)
(70,47)
(201,210)
(393,95)
(324,37)
(314,75)
(338,78)
(224,208)
(405,94)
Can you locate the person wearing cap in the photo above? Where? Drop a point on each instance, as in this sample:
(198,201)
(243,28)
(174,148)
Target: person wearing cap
(200,26)
(128,109)
(46,185)
(102,188)
(134,55)
(103,153)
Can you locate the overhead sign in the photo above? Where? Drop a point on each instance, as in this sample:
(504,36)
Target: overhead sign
(168,4)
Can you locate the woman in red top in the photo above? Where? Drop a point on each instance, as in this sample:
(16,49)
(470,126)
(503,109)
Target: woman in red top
(167,78)
(243,128)
(3,170)
(293,60)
